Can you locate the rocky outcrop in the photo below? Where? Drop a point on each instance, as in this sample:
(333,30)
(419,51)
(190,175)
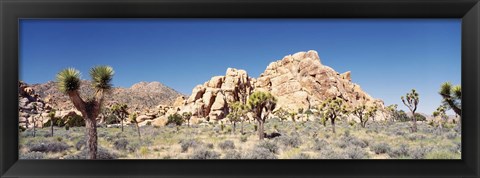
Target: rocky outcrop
(211,99)
(302,81)
(32,109)
(298,81)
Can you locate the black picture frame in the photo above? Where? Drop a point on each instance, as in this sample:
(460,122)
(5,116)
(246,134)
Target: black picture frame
(12,10)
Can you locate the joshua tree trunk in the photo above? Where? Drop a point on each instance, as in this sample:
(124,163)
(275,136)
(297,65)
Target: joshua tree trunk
(361,121)
(241,127)
(26,123)
(51,125)
(260,130)
(34,126)
(138,130)
(121,123)
(92,137)
(333,124)
(90,114)
(414,127)
(234,124)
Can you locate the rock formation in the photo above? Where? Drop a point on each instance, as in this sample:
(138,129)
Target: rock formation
(301,81)
(32,109)
(211,99)
(298,81)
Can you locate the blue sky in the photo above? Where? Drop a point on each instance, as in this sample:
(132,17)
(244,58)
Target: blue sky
(387,57)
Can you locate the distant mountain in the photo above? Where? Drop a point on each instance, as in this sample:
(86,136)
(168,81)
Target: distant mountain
(140,95)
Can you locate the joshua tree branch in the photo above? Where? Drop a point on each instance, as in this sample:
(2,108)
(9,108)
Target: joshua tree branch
(77,101)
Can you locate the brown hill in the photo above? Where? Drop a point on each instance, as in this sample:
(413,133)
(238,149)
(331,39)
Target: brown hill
(142,95)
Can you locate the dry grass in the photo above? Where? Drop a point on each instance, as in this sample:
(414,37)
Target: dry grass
(298,141)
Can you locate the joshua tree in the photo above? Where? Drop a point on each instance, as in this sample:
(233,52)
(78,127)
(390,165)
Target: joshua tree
(282,114)
(293,115)
(120,112)
(363,113)
(187,116)
(452,97)
(372,110)
(308,112)
(69,83)
(392,110)
(51,115)
(411,101)
(300,113)
(133,119)
(262,104)
(441,112)
(332,109)
(237,112)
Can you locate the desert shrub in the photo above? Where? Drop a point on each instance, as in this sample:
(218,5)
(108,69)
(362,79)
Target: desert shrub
(355,152)
(121,144)
(216,129)
(269,145)
(46,135)
(243,138)
(143,151)
(167,157)
(47,146)
(420,152)
(102,133)
(102,153)
(319,144)
(400,132)
(341,143)
(72,121)
(204,153)
(232,154)
(441,155)
(380,148)
(352,123)
(451,135)
(259,153)
(80,144)
(171,125)
(291,141)
(458,128)
(358,142)
(210,145)
(414,137)
(111,119)
(176,119)
(21,128)
(301,156)
(33,155)
(420,117)
(329,153)
(458,146)
(227,144)
(134,145)
(188,143)
(400,151)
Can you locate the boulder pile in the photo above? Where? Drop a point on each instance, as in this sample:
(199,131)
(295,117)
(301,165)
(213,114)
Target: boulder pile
(298,81)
